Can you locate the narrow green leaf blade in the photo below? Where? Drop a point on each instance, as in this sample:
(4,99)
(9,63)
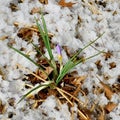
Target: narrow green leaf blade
(28,93)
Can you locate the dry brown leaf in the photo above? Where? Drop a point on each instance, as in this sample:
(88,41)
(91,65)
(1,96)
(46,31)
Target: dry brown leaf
(36,104)
(112,65)
(11,42)
(115,12)
(108,91)
(98,64)
(2,73)
(118,78)
(78,80)
(98,90)
(47,71)
(110,106)
(13,7)
(68,51)
(102,114)
(102,3)
(65,4)
(2,108)
(3,37)
(35,10)
(20,1)
(108,55)
(44,1)
(116,88)
(106,76)
(11,101)
(26,33)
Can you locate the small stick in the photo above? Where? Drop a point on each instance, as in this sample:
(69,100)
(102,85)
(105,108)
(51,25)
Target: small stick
(82,115)
(70,95)
(60,91)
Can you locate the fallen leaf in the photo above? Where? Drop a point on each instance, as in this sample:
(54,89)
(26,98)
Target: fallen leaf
(65,4)
(118,78)
(106,76)
(78,80)
(35,10)
(3,37)
(108,91)
(110,106)
(11,42)
(11,101)
(2,107)
(115,12)
(98,64)
(116,88)
(98,90)
(112,65)
(48,70)
(2,73)
(20,1)
(101,116)
(108,55)
(13,7)
(26,33)
(44,1)
(36,104)
(69,52)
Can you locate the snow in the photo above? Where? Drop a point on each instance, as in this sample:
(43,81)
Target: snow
(63,23)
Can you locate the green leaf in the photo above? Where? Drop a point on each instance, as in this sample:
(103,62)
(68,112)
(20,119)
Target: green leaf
(72,63)
(37,49)
(27,57)
(38,88)
(41,67)
(67,67)
(44,34)
(76,54)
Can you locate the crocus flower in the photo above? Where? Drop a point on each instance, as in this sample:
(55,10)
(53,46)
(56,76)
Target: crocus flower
(58,48)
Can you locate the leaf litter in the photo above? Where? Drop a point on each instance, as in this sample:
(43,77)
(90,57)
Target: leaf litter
(68,90)
(71,83)
(70,86)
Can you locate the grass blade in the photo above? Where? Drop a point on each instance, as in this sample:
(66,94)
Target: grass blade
(67,67)
(44,34)
(40,87)
(26,56)
(72,63)
(76,54)
(37,49)
(47,38)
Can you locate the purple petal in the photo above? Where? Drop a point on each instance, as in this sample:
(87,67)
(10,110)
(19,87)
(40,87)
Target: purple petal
(58,49)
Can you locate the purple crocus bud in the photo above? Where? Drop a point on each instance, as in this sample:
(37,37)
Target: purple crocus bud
(59,53)
(58,50)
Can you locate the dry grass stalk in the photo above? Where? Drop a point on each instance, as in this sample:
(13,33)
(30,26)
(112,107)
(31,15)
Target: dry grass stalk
(76,99)
(92,7)
(60,91)
(23,68)
(82,116)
